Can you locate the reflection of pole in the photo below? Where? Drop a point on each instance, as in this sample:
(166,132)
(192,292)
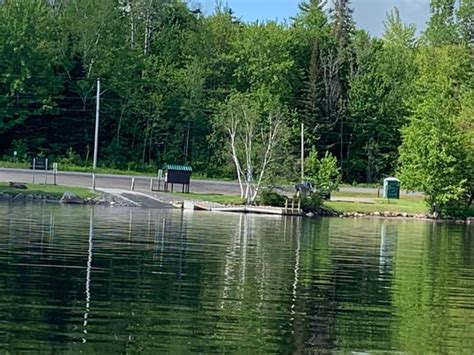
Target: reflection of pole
(230,257)
(88,276)
(296,269)
(245,236)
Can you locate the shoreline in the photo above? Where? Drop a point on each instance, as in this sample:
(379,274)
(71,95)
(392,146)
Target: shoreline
(401,217)
(102,199)
(105,199)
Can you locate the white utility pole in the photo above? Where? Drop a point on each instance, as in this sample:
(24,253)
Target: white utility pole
(302,152)
(96,136)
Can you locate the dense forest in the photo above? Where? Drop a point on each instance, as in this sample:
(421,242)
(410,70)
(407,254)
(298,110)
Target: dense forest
(402,103)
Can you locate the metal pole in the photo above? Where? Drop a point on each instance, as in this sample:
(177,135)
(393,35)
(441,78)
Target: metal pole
(46,172)
(96,134)
(302,152)
(34,169)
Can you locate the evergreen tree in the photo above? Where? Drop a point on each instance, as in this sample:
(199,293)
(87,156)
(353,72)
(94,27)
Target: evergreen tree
(343,22)
(342,62)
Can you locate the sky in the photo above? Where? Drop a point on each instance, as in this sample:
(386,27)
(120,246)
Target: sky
(369,14)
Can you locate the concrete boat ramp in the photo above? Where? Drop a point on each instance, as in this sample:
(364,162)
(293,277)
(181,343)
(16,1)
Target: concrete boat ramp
(137,199)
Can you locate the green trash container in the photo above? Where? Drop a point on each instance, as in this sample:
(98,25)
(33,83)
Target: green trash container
(391,188)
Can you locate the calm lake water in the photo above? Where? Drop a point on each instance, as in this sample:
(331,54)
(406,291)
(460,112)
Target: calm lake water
(88,279)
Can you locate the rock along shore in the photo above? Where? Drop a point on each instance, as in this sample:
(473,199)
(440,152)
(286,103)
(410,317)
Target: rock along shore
(391,215)
(67,198)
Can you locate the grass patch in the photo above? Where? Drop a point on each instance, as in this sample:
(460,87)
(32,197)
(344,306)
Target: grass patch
(411,204)
(48,190)
(353,194)
(218,198)
(14,165)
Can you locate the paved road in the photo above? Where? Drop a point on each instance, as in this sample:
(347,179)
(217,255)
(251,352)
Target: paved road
(142,183)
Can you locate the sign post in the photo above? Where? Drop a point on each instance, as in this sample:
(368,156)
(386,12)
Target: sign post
(55,172)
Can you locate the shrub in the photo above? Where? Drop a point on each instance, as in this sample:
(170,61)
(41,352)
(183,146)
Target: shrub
(311,203)
(323,172)
(271,198)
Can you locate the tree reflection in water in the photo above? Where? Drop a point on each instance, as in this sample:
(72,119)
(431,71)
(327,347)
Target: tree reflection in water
(75,279)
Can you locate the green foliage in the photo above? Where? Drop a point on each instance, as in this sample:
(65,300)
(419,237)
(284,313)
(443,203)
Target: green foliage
(434,156)
(442,28)
(71,158)
(28,56)
(324,172)
(465,16)
(21,148)
(379,89)
(171,79)
(268,197)
(311,203)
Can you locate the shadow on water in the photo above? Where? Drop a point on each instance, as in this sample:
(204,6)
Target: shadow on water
(77,278)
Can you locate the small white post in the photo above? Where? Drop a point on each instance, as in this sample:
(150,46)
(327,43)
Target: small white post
(55,172)
(132,187)
(46,172)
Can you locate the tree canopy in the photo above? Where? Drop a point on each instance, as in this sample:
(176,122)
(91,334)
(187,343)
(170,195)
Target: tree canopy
(379,105)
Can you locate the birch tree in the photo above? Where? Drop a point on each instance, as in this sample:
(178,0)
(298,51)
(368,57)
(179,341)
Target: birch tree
(253,135)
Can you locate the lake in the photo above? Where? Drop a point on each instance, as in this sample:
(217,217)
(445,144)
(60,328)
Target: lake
(97,279)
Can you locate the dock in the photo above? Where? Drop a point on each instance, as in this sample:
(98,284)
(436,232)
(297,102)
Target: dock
(269,210)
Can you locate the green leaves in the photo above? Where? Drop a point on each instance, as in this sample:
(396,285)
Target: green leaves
(324,172)
(28,58)
(435,154)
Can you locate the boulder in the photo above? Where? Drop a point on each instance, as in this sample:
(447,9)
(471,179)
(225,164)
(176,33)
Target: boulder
(70,198)
(19,197)
(17,185)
